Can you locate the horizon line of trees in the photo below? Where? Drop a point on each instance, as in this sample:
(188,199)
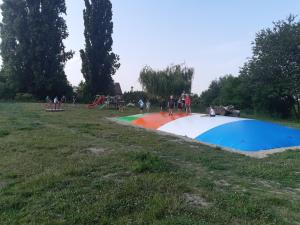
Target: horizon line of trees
(34,55)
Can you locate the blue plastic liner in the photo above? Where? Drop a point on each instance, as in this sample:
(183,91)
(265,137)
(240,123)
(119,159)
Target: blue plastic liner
(252,135)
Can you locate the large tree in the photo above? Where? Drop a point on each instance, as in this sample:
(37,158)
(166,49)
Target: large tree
(34,56)
(270,81)
(273,73)
(15,45)
(173,80)
(99,63)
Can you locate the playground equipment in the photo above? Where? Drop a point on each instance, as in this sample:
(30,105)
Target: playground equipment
(99,100)
(56,106)
(237,134)
(109,102)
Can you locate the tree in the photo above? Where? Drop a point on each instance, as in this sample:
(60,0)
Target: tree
(270,80)
(15,45)
(172,80)
(273,73)
(34,56)
(224,91)
(48,30)
(99,63)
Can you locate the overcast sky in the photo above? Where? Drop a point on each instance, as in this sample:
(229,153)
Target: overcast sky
(213,36)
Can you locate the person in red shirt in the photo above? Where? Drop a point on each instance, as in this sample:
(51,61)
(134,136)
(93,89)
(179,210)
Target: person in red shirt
(188,103)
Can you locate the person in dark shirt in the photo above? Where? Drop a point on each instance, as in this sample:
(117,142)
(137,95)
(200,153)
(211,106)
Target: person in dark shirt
(161,104)
(171,105)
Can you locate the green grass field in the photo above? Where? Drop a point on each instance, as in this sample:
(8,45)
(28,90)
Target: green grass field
(77,167)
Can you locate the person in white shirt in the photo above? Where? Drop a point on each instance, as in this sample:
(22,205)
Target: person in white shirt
(141,105)
(212,112)
(56,103)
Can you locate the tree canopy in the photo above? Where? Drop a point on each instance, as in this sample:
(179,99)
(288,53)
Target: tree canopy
(172,80)
(270,80)
(99,63)
(32,49)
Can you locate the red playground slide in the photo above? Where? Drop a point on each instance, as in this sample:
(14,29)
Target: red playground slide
(98,101)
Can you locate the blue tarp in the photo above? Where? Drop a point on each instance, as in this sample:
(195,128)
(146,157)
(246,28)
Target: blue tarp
(252,135)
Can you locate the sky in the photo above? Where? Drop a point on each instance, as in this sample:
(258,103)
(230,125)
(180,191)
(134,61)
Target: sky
(214,37)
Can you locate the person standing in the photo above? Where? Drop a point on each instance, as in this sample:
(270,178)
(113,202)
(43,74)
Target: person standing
(179,104)
(141,105)
(74,99)
(161,104)
(183,100)
(188,103)
(171,105)
(56,103)
(148,105)
(212,112)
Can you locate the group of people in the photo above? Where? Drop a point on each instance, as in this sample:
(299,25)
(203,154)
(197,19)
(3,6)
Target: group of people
(55,103)
(142,105)
(183,103)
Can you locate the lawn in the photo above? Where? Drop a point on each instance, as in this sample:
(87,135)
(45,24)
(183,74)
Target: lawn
(78,167)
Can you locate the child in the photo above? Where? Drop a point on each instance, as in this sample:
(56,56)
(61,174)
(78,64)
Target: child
(48,102)
(179,104)
(63,99)
(56,103)
(141,105)
(188,103)
(161,104)
(148,104)
(212,112)
(183,100)
(171,105)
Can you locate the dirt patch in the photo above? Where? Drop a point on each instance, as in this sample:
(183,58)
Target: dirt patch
(222,183)
(97,150)
(196,200)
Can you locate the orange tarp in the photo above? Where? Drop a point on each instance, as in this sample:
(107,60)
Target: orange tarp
(156,120)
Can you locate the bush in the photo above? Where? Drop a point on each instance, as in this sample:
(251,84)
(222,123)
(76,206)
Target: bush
(6,91)
(135,96)
(24,97)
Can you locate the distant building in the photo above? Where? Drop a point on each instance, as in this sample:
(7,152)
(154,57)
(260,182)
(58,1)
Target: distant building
(118,90)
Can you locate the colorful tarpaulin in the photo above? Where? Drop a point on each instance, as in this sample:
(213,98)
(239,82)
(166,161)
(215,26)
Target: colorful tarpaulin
(238,134)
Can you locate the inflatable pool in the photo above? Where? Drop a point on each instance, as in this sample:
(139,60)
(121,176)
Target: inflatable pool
(237,134)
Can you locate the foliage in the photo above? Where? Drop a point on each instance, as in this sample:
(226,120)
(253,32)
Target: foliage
(273,73)
(32,48)
(80,93)
(223,91)
(172,80)
(24,97)
(135,96)
(270,80)
(6,90)
(99,63)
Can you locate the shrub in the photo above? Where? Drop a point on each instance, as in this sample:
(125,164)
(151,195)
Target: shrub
(135,96)
(24,97)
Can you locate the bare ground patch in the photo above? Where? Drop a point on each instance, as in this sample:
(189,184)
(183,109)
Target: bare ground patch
(196,200)
(97,150)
